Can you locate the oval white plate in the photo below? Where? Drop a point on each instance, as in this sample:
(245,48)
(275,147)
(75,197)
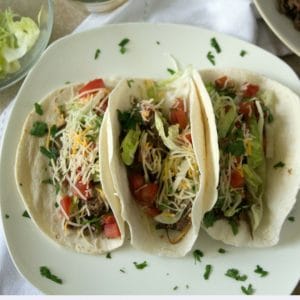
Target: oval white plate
(280,24)
(148,54)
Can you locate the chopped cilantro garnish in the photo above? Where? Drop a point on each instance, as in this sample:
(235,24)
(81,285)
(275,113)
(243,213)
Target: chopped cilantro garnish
(47,181)
(25,214)
(39,129)
(108,255)
(38,109)
(122,45)
(141,265)
(291,219)
(53,130)
(67,82)
(234,226)
(128,119)
(215,44)
(235,274)
(222,251)
(249,290)
(47,273)
(122,270)
(211,57)
(187,286)
(208,270)
(280,164)
(57,188)
(56,205)
(158,42)
(259,270)
(51,153)
(130,82)
(6,216)
(243,53)
(197,255)
(97,53)
(171,71)
(210,218)
(236,148)
(175,288)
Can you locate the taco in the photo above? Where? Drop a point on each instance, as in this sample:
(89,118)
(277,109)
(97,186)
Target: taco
(61,169)
(256,120)
(158,161)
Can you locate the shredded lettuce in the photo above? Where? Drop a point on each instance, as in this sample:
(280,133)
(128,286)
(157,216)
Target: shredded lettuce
(225,122)
(129,145)
(17,36)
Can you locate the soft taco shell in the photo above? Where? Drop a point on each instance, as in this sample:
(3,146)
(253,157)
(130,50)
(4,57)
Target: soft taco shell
(32,167)
(283,142)
(144,236)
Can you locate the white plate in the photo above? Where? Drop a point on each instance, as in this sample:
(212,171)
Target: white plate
(72,59)
(280,24)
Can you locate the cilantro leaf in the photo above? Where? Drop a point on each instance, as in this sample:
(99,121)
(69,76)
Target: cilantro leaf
(197,255)
(234,226)
(122,45)
(45,272)
(222,251)
(259,270)
(38,109)
(39,129)
(171,71)
(97,53)
(26,214)
(140,266)
(210,218)
(235,274)
(53,130)
(236,148)
(249,290)
(129,120)
(108,255)
(130,82)
(211,57)
(51,153)
(280,164)
(207,273)
(215,44)
(243,53)
(291,219)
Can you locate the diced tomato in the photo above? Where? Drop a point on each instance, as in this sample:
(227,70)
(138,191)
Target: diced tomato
(84,189)
(246,109)
(151,211)
(136,180)
(110,226)
(94,84)
(237,179)
(189,137)
(250,90)
(111,231)
(220,82)
(178,115)
(65,203)
(146,195)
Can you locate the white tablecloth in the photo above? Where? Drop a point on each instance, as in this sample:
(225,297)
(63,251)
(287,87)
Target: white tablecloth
(235,17)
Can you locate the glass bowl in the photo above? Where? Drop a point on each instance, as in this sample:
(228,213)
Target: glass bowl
(41,11)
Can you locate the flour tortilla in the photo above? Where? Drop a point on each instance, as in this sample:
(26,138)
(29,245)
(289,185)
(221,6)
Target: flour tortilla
(144,236)
(32,167)
(283,144)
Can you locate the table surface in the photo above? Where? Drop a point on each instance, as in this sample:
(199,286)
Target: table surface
(68,14)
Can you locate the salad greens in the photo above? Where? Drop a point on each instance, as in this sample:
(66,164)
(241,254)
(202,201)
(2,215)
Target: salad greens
(241,117)
(17,36)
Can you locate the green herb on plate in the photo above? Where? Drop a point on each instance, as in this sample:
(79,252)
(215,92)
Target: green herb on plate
(243,53)
(47,181)
(6,216)
(157,42)
(280,164)
(108,255)
(222,251)
(291,219)
(235,274)
(130,82)
(122,270)
(141,266)
(171,71)
(259,270)
(198,254)
(51,153)
(215,44)
(38,109)
(207,273)
(97,53)
(56,205)
(45,272)
(123,44)
(175,288)
(249,290)
(26,214)
(211,57)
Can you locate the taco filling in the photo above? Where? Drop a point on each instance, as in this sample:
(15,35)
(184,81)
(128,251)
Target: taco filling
(157,150)
(241,117)
(72,146)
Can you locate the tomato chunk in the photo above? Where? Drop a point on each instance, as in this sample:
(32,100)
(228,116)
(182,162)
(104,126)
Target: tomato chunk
(220,82)
(246,109)
(237,179)
(178,115)
(146,195)
(94,84)
(65,203)
(136,180)
(250,90)
(84,189)
(110,226)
